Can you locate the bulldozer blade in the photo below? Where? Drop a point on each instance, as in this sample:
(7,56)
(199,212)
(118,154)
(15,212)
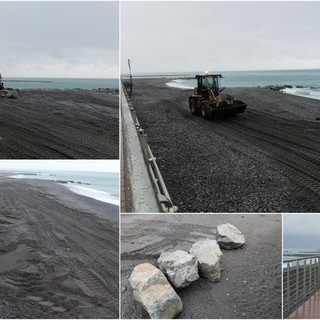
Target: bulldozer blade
(229,110)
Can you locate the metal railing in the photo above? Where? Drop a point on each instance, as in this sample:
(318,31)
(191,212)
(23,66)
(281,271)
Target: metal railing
(161,192)
(301,279)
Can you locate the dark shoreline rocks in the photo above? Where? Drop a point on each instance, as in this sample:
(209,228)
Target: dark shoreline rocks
(286,86)
(279,87)
(71,181)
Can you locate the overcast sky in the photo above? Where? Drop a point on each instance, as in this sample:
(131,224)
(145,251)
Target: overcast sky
(59,39)
(301,231)
(219,36)
(68,165)
(301,224)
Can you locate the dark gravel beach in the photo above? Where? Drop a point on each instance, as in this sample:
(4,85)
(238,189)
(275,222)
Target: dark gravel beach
(59,252)
(265,160)
(250,284)
(60,124)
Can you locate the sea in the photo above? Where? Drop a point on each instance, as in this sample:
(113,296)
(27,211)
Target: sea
(294,253)
(59,83)
(102,186)
(305,83)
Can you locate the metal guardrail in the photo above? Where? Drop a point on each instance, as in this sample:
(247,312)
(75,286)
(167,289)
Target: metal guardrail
(301,279)
(161,193)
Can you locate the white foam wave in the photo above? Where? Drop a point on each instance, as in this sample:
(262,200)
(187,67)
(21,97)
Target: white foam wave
(18,176)
(93,193)
(178,84)
(27,176)
(84,191)
(303,92)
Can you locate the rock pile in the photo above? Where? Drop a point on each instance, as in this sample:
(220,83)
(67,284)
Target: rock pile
(151,287)
(209,257)
(279,87)
(9,93)
(229,237)
(180,267)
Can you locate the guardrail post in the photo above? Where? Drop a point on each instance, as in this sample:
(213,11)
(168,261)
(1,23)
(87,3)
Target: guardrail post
(314,276)
(297,282)
(310,283)
(288,286)
(318,280)
(304,278)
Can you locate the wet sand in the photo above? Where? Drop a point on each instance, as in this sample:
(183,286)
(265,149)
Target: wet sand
(60,124)
(250,285)
(58,252)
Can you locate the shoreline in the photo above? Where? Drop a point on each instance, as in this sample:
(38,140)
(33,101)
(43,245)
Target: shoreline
(66,196)
(106,90)
(259,98)
(58,252)
(176,82)
(70,186)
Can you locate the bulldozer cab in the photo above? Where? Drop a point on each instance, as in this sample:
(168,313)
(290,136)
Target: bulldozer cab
(208,82)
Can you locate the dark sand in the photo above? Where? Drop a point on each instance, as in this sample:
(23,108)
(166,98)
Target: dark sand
(250,285)
(265,160)
(59,252)
(59,124)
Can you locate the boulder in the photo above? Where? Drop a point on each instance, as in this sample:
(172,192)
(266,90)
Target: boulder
(180,267)
(9,93)
(12,94)
(229,237)
(152,289)
(209,257)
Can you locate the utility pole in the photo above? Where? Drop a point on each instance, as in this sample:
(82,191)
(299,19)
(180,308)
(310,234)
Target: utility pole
(130,85)
(1,83)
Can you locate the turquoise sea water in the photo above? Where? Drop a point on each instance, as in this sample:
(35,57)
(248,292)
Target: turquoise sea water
(308,79)
(59,83)
(102,186)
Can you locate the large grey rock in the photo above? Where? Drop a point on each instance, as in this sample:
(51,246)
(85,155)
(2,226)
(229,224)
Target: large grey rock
(209,257)
(180,267)
(229,237)
(152,289)
(12,94)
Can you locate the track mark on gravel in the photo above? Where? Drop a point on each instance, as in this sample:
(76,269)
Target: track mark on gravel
(46,303)
(9,260)
(7,219)
(34,298)
(92,284)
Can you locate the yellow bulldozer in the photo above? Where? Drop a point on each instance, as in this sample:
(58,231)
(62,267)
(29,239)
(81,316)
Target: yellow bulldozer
(208,100)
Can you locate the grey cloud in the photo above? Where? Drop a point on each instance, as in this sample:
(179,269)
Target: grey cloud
(73,34)
(301,224)
(187,36)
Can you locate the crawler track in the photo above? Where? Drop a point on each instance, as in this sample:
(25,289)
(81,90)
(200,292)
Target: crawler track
(55,261)
(60,124)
